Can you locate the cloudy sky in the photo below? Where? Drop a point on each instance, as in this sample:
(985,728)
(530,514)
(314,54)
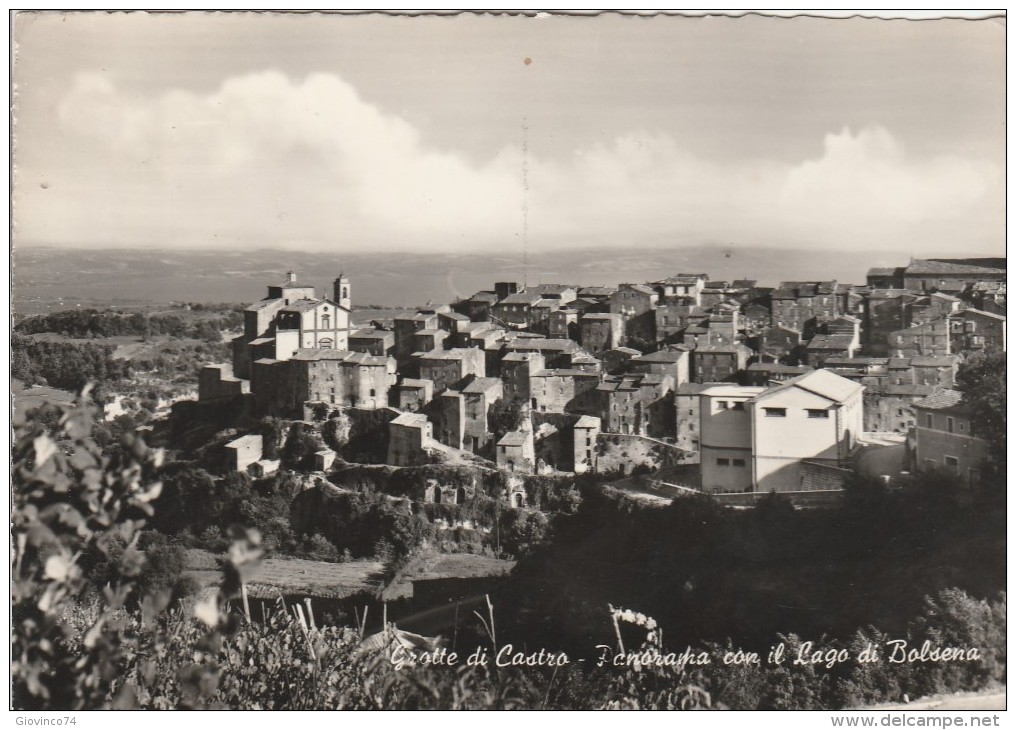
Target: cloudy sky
(459,133)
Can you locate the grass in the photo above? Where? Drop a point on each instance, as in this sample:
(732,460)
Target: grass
(27,398)
(293,576)
(431,564)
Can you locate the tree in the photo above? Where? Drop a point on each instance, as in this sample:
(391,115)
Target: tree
(981,379)
(505,414)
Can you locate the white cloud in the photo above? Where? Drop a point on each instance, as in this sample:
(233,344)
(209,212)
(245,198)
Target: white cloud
(268,161)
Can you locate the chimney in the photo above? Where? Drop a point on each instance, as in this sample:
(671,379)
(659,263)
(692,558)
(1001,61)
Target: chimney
(291,277)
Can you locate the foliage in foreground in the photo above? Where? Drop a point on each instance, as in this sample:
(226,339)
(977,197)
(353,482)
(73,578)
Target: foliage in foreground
(125,647)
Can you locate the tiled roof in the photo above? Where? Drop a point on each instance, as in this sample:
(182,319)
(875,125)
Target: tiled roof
(943,399)
(830,342)
(302,305)
(513,438)
(550,288)
(415,420)
(482,385)
(250,440)
(939,361)
(416,383)
(639,288)
(921,267)
(820,382)
(261,304)
(521,298)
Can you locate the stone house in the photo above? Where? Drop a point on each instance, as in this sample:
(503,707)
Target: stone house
(412,394)
(929,275)
(930,338)
(822,347)
(445,368)
(556,390)
(372,342)
(945,437)
(515,310)
(972,329)
(890,407)
(674,362)
(243,451)
(478,307)
(635,303)
(718,363)
(406,328)
(781,344)
(409,438)
(517,368)
(600,332)
(516,452)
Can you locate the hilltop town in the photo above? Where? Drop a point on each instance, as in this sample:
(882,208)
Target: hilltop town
(689,384)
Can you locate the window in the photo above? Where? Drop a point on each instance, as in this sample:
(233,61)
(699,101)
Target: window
(721,405)
(949,423)
(723,462)
(929,421)
(738,462)
(737,406)
(373,392)
(953,464)
(775,412)
(817,413)
(326,322)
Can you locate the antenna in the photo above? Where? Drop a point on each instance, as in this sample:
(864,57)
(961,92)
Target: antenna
(525,202)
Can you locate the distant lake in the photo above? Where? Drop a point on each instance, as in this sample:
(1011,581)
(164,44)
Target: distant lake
(62,277)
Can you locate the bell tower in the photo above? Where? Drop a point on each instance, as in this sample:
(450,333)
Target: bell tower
(342,292)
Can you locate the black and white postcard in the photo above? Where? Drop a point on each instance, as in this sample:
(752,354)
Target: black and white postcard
(508,360)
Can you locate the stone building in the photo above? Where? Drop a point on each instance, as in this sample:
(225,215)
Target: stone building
(674,362)
(635,303)
(885,312)
(325,376)
(930,275)
(931,338)
(372,341)
(406,328)
(672,318)
(972,329)
(243,451)
(412,394)
(291,318)
(945,437)
(890,407)
(822,347)
(515,310)
(478,307)
(600,332)
(409,438)
(686,412)
(517,368)
(781,344)
(636,404)
(445,368)
(516,452)
(556,390)
(718,363)
(217,382)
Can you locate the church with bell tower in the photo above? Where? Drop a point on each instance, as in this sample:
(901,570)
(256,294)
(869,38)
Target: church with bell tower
(292,318)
